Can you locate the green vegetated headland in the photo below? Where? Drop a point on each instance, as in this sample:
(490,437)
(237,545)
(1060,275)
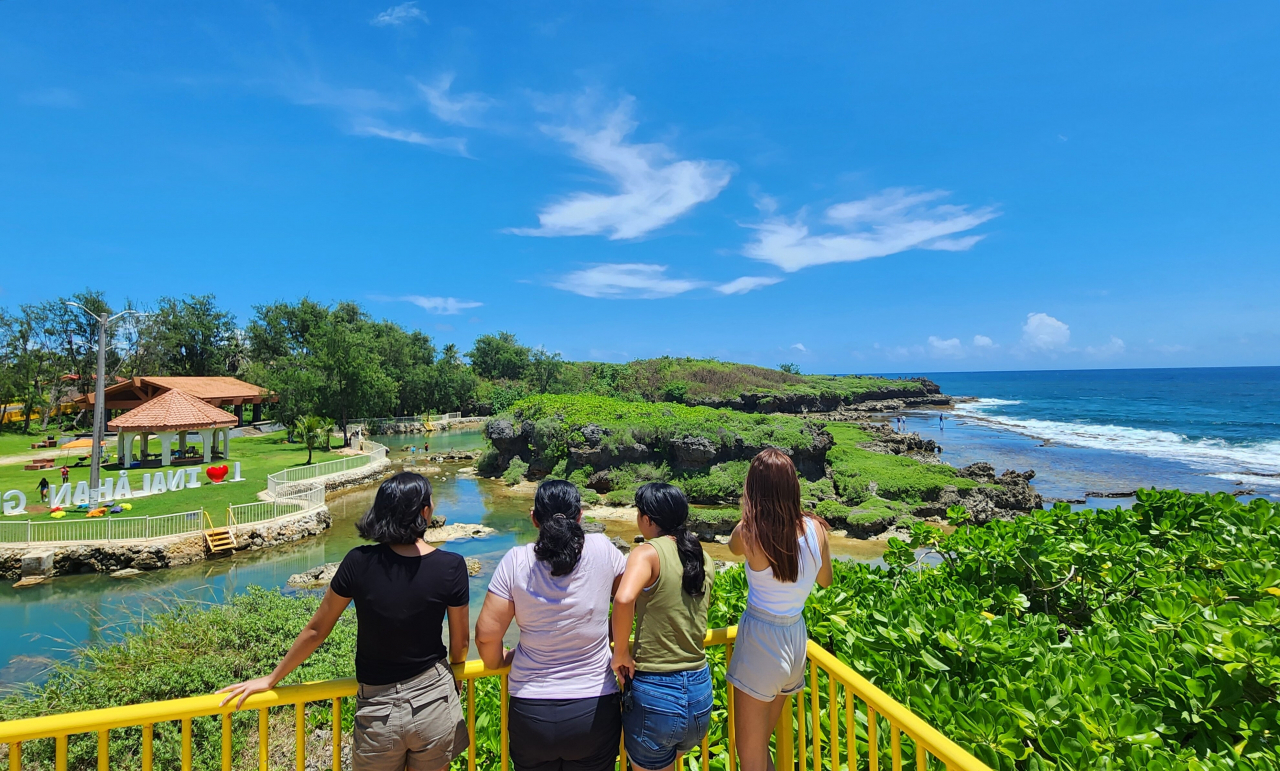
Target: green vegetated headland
(1099,639)
(863,478)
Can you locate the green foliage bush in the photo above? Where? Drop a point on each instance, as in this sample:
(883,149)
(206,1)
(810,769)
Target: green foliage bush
(488,462)
(832,511)
(723,482)
(516,469)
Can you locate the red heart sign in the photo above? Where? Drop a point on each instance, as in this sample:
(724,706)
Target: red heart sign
(216,473)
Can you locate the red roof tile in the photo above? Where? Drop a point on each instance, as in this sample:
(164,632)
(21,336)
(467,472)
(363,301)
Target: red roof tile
(173,410)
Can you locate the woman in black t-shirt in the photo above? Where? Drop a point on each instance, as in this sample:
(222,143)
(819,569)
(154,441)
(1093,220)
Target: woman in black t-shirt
(408,714)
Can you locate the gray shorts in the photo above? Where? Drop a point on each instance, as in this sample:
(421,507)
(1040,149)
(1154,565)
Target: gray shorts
(415,724)
(769,655)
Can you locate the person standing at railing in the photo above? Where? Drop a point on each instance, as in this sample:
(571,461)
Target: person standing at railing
(564,713)
(408,714)
(665,589)
(787,552)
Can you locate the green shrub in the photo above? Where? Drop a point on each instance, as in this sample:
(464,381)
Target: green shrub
(515,472)
(896,476)
(589,497)
(722,482)
(488,463)
(832,510)
(620,497)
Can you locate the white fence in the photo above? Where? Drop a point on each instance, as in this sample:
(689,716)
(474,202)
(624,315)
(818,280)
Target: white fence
(302,473)
(295,500)
(102,528)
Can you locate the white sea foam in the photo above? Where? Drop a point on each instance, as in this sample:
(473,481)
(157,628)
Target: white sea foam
(1210,454)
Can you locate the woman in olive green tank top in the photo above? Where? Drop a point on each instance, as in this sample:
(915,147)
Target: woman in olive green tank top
(665,590)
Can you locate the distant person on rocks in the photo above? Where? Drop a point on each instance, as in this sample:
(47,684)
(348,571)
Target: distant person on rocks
(786,553)
(43,487)
(564,708)
(408,714)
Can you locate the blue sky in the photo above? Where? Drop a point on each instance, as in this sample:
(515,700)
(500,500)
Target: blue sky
(852,187)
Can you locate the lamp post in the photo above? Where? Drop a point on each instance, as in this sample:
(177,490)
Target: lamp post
(99,408)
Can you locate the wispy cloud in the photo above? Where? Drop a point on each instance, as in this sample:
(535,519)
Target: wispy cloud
(799,347)
(398,15)
(454,145)
(653,187)
(1042,332)
(746,284)
(458,109)
(1113,348)
(984,342)
(625,281)
(951,348)
(444,306)
(892,221)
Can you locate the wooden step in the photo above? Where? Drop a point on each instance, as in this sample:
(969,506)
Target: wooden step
(219,539)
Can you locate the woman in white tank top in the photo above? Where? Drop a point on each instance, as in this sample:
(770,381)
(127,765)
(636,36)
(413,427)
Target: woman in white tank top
(786,553)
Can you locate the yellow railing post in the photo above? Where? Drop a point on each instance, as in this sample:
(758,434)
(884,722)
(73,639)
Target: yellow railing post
(337,734)
(784,754)
(104,751)
(300,736)
(186,744)
(263,720)
(226,741)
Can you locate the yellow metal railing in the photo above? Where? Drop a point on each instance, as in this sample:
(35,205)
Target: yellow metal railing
(840,722)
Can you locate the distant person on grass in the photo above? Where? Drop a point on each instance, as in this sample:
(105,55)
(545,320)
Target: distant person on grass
(665,589)
(564,712)
(786,552)
(43,487)
(408,715)
(66,472)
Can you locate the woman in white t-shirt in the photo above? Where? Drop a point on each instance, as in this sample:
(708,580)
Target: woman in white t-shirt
(564,713)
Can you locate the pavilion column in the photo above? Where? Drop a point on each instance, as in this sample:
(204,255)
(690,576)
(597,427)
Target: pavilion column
(146,437)
(206,439)
(182,443)
(257,411)
(238,410)
(123,442)
(226,443)
(166,439)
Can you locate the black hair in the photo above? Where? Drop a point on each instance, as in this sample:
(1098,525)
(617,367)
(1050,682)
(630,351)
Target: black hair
(556,508)
(396,514)
(666,507)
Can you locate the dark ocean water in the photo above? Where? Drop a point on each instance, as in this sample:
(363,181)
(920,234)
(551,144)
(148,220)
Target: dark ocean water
(1107,430)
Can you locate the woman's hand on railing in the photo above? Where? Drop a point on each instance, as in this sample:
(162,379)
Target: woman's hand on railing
(246,689)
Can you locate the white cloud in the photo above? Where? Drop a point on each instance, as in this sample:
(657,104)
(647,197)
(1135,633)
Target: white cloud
(654,188)
(947,349)
(444,306)
(800,347)
(746,284)
(454,145)
(459,109)
(625,281)
(982,341)
(1042,332)
(398,15)
(889,222)
(1113,348)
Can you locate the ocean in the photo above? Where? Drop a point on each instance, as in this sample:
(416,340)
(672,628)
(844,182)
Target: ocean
(1083,431)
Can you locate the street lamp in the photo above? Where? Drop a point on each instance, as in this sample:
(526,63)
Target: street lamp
(99,409)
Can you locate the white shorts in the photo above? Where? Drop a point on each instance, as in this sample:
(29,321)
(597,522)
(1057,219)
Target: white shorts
(769,655)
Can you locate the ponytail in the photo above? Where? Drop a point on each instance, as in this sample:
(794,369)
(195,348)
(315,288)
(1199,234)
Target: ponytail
(557,507)
(666,507)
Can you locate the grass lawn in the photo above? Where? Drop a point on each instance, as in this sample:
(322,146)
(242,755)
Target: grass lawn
(17,443)
(258,457)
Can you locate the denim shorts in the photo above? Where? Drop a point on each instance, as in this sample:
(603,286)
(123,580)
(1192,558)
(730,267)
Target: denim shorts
(669,715)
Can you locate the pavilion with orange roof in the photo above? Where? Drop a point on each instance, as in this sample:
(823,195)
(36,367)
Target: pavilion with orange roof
(171,416)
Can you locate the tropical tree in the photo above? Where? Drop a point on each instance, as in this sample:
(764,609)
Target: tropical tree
(499,357)
(309,429)
(544,369)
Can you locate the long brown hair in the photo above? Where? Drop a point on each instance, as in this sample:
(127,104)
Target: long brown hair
(771,515)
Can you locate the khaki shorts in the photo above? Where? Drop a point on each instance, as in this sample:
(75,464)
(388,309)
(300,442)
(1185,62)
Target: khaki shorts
(769,655)
(415,724)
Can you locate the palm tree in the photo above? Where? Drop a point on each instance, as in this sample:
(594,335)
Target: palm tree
(326,429)
(309,427)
